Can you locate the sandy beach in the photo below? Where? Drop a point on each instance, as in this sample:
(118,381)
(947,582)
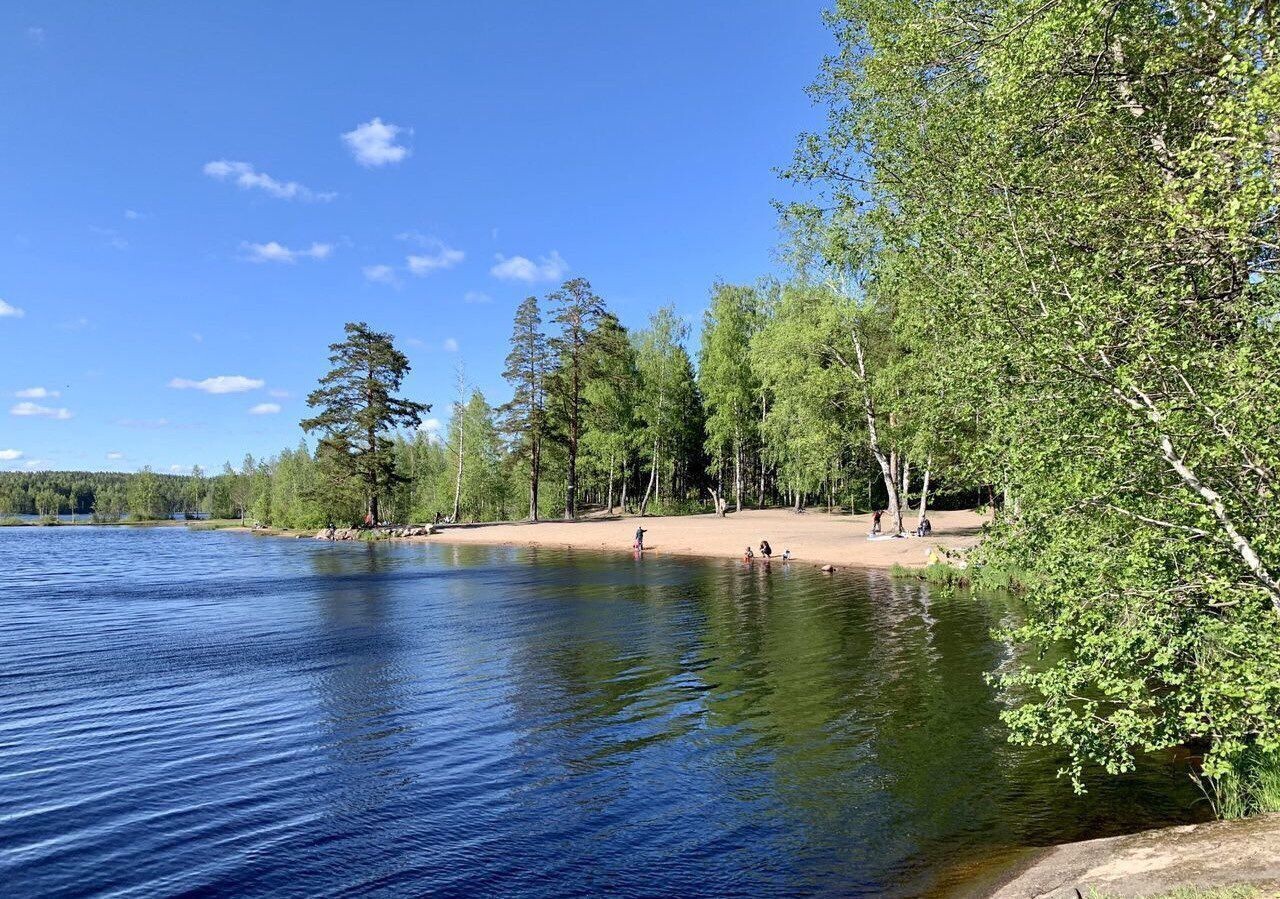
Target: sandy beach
(813,537)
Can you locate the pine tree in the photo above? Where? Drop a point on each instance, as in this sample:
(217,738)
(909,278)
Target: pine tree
(358,406)
(577,312)
(524,417)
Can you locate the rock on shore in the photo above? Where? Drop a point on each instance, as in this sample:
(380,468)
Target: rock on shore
(377,533)
(1217,854)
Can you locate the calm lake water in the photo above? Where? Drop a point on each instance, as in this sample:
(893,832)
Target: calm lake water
(214,713)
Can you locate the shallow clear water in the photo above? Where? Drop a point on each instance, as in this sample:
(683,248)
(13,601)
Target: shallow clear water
(225,714)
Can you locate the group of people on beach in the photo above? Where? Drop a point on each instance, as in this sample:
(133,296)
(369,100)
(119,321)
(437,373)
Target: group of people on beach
(923,529)
(766,553)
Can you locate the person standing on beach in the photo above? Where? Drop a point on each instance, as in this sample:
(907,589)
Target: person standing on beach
(875,521)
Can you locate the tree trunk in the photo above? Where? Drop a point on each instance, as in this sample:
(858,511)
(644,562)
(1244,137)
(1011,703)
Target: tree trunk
(457,484)
(737,474)
(924,494)
(906,484)
(610,502)
(886,466)
(653,477)
(535,461)
(624,483)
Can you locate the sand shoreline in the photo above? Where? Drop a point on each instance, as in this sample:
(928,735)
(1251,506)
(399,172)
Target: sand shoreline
(814,538)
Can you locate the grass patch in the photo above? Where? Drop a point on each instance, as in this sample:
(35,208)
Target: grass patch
(1251,788)
(214,524)
(12,521)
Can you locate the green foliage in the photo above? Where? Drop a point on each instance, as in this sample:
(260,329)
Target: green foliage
(1068,211)
(358,407)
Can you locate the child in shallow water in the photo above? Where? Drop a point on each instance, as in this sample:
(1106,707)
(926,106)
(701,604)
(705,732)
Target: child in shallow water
(748,555)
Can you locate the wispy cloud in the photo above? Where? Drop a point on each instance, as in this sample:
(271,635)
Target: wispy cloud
(219,384)
(114,456)
(7,311)
(265,409)
(113,238)
(149,424)
(35,410)
(450,345)
(380,274)
(278,393)
(36,393)
(277,252)
(475,296)
(443,257)
(36,464)
(247,177)
(36,35)
(133,215)
(10,455)
(374,143)
(520,268)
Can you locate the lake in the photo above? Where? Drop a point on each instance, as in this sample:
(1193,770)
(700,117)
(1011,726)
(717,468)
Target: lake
(218,713)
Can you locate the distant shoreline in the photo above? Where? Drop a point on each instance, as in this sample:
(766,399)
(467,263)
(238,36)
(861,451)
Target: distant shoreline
(814,538)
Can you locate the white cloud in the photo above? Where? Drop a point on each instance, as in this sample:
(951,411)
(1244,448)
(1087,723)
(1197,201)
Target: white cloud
(380,274)
(450,345)
(36,393)
(37,411)
(9,455)
(374,143)
(33,464)
(520,268)
(475,296)
(443,257)
(276,252)
(219,384)
(249,178)
(7,311)
(431,427)
(132,214)
(115,456)
(265,409)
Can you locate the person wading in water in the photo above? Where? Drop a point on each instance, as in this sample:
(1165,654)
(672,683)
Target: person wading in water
(639,539)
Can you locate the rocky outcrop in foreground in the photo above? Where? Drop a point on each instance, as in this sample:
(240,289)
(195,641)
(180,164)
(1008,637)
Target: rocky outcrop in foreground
(374,533)
(1218,854)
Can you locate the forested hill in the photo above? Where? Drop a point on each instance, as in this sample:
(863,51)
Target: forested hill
(113,495)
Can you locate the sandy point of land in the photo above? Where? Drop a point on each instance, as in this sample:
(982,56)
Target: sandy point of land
(813,537)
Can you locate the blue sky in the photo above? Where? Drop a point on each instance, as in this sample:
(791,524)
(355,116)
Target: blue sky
(195,197)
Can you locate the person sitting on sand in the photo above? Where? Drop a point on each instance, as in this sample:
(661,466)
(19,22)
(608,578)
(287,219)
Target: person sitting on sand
(639,539)
(766,550)
(748,555)
(875,521)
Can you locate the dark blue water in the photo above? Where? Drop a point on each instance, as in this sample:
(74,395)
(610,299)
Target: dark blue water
(222,714)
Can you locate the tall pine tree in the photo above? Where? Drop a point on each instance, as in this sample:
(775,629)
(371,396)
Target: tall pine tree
(524,417)
(358,406)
